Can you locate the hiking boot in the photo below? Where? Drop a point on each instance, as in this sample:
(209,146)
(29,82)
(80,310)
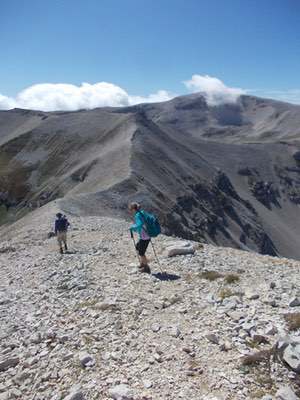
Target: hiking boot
(66,247)
(61,251)
(145,269)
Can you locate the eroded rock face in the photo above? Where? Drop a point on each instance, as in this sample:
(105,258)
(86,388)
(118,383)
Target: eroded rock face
(266,193)
(209,209)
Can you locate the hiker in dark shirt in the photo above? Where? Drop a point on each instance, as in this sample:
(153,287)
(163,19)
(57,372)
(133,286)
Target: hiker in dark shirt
(61,228)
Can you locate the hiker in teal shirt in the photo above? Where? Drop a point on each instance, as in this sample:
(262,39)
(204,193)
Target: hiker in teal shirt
(144,239)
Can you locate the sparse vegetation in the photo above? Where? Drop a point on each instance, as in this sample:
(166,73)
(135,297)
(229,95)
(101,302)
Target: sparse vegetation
(87,303)
(214,275)
(258,357)
(189,277)
(231,278)
(198,246)
(211,275)
(256,341)
(252,344)
(293,321)
(258,365)
(224,293)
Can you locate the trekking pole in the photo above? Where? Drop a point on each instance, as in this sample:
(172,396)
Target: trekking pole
(132,237)
(157,260)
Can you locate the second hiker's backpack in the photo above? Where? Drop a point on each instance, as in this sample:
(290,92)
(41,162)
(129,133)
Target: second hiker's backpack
(152,223)
(62,224)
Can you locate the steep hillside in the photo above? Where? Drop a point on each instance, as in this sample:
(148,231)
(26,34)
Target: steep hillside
(228,175)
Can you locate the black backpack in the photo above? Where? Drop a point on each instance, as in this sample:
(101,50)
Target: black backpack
(62,224)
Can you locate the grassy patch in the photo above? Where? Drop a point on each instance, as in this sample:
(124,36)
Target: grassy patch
(87,303)
(258,365)
(211,275)
(252,344)
(262,356)
(189,278)
(256,341)
(231,278)
(89,340)
(198,246)
(293,321)
(224,293)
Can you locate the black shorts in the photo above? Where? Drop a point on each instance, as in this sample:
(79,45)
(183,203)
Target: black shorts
(141,246)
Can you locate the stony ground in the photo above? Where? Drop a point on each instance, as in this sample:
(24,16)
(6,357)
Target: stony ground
(87,325)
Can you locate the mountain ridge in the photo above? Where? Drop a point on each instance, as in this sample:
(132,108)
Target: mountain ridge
(227,174)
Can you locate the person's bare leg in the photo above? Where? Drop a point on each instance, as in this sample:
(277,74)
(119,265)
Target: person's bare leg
(144,267)
(59,241)
(144,261)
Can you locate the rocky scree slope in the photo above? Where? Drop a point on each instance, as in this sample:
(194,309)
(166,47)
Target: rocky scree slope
(86,325)
(227,175)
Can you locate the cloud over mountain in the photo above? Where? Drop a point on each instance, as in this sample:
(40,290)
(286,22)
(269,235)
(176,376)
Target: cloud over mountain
(69,97)
(213,89)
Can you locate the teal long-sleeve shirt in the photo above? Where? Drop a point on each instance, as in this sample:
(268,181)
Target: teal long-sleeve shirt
(138,226)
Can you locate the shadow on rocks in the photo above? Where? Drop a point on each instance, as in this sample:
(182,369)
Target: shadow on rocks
(166,276)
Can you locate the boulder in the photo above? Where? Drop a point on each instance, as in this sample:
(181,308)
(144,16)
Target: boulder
(76,395)
(147,384)
(121,392)
(179,249)
(211,337)
(295,302)
(226,346)
(271,330)
(175,331)
(86,360)
(155,327)
(230,303)
(250,294)
(285,393)
(9,363)
(287,350)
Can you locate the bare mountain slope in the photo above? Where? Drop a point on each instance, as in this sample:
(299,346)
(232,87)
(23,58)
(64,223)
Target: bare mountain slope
(227,175)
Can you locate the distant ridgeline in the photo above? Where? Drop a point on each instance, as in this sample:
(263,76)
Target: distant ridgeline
(227,174)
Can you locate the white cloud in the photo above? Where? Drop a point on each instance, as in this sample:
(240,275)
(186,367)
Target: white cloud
(213,89)
(6,103)
(161,95)
(68,97)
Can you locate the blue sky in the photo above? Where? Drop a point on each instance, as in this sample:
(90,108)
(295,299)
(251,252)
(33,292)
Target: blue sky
(146,46)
